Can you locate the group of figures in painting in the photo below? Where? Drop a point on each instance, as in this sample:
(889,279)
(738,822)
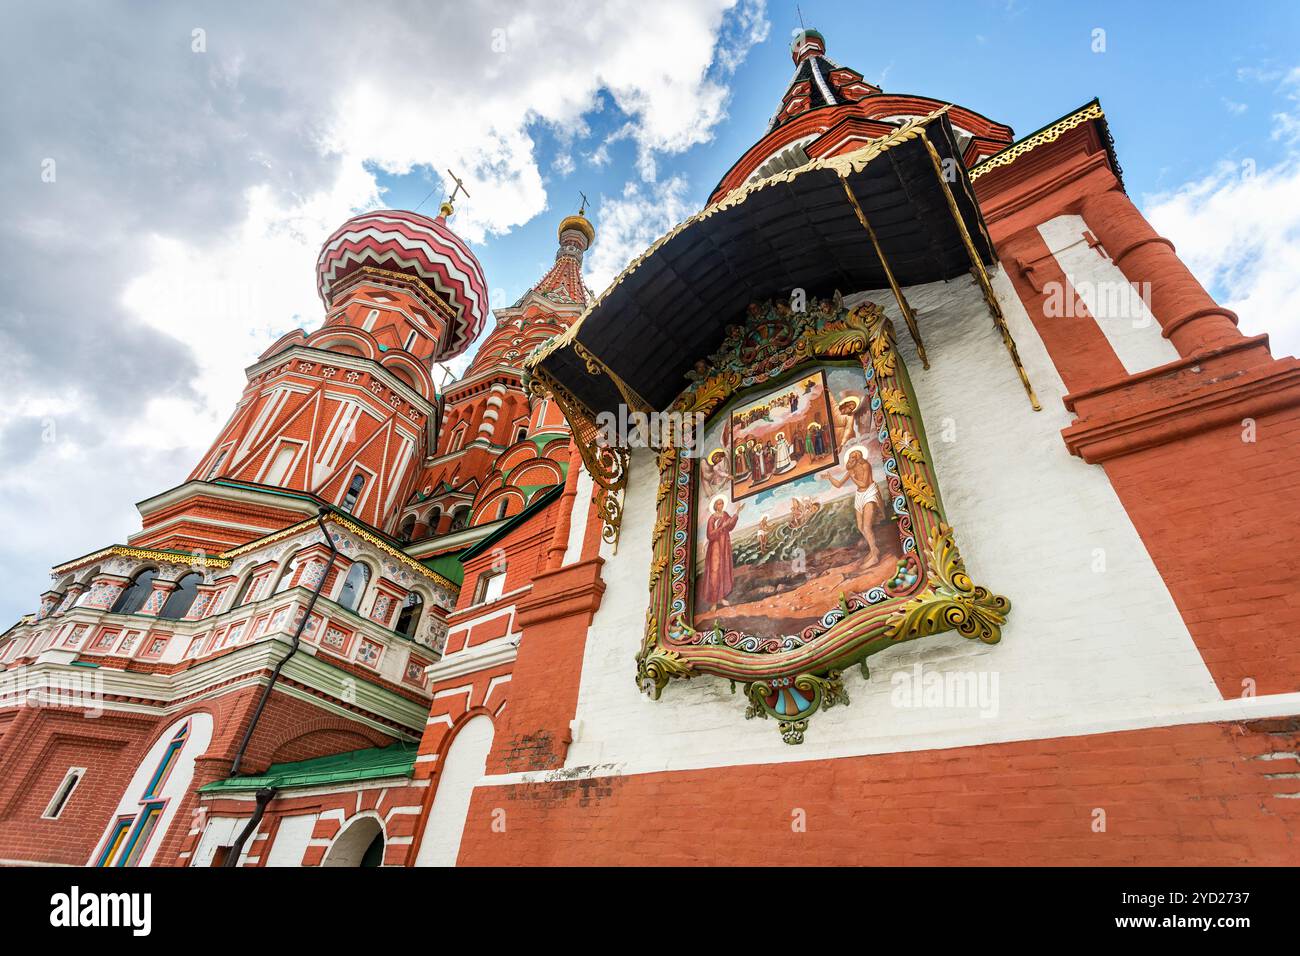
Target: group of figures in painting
(792,509)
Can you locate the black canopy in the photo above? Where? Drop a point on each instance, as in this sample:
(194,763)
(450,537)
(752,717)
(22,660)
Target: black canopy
(797,229)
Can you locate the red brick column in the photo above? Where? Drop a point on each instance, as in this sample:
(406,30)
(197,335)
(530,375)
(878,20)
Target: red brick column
(1189,318)
(533,733)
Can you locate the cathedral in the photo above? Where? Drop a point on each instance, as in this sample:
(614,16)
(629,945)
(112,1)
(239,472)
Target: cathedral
(866,516)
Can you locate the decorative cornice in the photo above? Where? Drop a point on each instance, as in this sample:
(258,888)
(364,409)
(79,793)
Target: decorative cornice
(473,660)
(197,558)
(1044,136)
(355,528)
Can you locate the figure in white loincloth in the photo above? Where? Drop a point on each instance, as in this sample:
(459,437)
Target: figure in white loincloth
(865,501)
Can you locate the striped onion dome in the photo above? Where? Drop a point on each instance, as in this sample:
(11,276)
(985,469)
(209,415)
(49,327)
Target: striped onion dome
(418,246)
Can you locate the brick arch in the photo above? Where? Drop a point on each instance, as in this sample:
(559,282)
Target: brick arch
(332,734)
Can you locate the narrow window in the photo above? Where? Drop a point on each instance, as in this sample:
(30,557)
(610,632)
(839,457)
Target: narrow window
(489,587)
(61,795)
(407,531)
(216,465)
(280,465)
(286,576)
(501,508)
(371,316)
(410,341)
(242,594)
(354,586)
(354,492)
(409,619)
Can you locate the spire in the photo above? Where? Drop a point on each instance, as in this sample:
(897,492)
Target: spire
(818,80)
(563,282)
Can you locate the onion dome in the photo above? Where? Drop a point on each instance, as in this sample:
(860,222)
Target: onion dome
(420,247)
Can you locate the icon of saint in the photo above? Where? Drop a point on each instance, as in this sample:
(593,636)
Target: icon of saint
(718,565)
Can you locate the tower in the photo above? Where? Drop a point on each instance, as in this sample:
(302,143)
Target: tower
(497,449)
(345,414)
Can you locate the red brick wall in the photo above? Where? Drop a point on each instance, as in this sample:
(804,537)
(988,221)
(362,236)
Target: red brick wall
(40,747)
(1190,795)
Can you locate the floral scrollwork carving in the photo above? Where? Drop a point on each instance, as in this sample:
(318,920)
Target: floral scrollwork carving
(952,601)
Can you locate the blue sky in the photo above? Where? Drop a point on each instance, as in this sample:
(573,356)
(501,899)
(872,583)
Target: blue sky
(1184,87)
(204,151)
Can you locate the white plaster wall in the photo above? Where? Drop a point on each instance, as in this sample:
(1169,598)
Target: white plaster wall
(291,839)
(578,519)
(220,831)
(1122,316)
(1082,648)
(466,761)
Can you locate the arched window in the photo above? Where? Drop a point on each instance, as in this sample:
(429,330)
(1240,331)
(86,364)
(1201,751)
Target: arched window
(407,531)
(409,619)
(354,585)
(133,598)
(501,508)
(354,492)
(286,575)
(179,601)
(242,594)
(434,517)
(460,518)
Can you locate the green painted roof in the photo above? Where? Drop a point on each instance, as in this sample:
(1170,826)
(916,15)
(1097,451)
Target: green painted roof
(537,504)
(448,565)
(395,760)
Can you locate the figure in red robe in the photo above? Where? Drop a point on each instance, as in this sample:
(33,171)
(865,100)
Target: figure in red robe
(718,580)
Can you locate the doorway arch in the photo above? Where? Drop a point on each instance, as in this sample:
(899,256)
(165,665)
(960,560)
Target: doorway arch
(359,843)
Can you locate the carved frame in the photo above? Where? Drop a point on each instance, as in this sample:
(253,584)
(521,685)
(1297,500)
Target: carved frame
(791,679)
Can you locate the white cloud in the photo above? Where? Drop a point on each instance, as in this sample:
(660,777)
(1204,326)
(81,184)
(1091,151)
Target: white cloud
(194,190)
(1238,230)
(631,222)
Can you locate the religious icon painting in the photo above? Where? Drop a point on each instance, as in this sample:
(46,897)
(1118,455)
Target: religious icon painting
(805,532)
(817,516)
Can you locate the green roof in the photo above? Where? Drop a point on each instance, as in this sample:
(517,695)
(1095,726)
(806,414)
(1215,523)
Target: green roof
(537,504)
(395,760)
(448,565)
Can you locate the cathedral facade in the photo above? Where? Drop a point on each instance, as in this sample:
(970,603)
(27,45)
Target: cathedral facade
(910,503)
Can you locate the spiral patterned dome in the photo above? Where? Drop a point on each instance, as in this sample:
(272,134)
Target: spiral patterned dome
(418,246)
